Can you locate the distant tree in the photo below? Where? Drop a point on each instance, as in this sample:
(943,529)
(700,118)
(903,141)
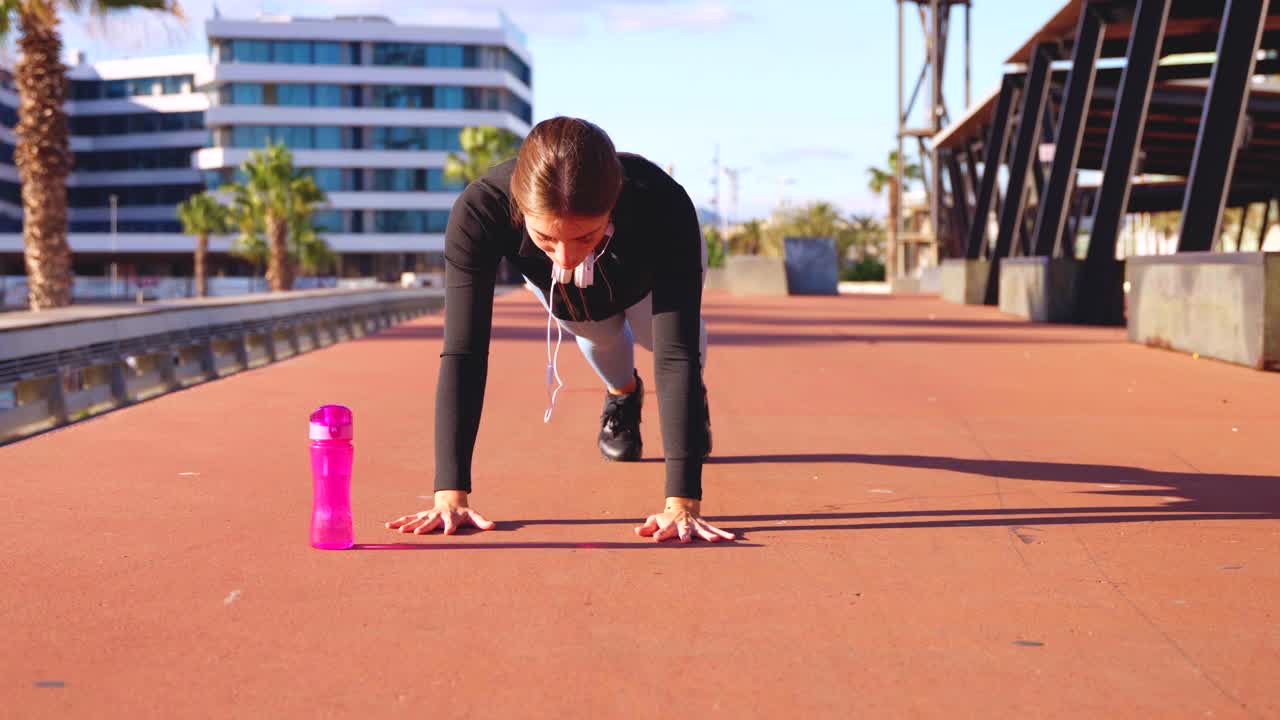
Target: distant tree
(715,248)
(483,147)
(42,147)
(882,180)
(749,240)
(864,237)
(276,201)
(202,215)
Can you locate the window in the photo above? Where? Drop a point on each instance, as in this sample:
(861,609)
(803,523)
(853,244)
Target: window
(246,94)
(437,182)
(254,51)
(450,98)
(444,55)
(327,220)
(407,138)
(178,84)
(404,54)
(397,179)
(327,53)
(410,221)
(329,179)
(295,136)
(115,89)
(295,95)
(327,96)
(250,136)
(291,51)
(400,96)
(328,138)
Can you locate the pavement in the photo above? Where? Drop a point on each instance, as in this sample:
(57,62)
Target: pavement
(942,512)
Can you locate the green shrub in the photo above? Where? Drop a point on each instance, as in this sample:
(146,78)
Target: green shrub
(867,269)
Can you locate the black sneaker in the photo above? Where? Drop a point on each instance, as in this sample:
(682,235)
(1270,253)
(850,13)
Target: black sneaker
(620,424)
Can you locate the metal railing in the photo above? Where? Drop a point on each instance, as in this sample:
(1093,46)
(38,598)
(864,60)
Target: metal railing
(72,365)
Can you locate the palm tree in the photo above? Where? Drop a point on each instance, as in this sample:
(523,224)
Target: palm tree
(42,152)
(484,147)
(273,196)
(311,253)
(202,215)
(881,180)
(749,239)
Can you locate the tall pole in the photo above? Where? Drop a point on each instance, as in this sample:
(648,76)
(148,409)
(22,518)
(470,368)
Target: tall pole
(936,60)
(968,57)
(894,254)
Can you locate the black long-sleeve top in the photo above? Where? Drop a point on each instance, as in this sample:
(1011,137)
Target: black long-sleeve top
(656,248)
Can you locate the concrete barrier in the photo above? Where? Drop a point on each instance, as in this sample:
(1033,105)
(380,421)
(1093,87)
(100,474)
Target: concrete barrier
(1219,305)
(716,279)
(1040,289)
(756,275)
(63,365)
(964,281)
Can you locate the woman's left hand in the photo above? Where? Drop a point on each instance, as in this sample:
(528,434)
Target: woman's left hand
(682,518)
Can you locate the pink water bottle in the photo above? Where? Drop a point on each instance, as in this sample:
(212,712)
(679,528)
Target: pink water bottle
(331,457)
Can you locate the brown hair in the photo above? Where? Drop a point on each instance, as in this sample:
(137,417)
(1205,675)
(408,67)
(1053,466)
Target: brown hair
(566,167)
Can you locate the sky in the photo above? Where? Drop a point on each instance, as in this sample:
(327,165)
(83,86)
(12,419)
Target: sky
(798,95)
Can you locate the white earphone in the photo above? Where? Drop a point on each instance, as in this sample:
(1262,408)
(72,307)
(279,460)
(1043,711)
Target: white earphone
(585,273)
(583,276)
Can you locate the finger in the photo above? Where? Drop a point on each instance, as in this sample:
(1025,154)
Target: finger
(433,522)
(722,533)
(414,523)
(449,525)
(405,520)
(665,531)
(705,532)
(683,528)
(479,521)
(650,527)
(395,524)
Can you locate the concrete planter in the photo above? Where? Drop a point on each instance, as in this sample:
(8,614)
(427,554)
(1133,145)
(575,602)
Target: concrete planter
(964,281)
(755,275)
(716,279)
(1220,305)
(1040,289)
(812,267)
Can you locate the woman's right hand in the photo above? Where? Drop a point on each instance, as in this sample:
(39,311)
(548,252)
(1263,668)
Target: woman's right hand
(450,512)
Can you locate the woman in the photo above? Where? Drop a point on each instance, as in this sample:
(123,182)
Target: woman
(611,246)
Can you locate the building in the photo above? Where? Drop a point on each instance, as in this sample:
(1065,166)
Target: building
(372,108)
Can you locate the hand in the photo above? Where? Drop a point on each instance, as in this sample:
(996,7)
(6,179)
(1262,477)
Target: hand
(451,511)
(682,517)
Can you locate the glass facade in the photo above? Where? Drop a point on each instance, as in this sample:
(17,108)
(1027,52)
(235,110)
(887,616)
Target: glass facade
(291,95)
(294,52)
(298,137)
(133,87)
(413,180)
(87,197)
(415,138)
(410,221)
(137,120)
(95,125)
(115,160)
(328,220)
(307,52)
(125,226)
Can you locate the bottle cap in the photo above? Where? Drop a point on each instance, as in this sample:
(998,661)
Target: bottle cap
(332,422)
